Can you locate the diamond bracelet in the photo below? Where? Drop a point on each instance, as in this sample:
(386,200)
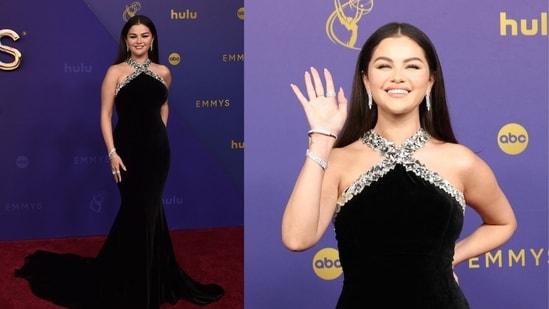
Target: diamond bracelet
(318,160)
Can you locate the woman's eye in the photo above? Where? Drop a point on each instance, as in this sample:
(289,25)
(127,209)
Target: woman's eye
(383,66)
(413,66)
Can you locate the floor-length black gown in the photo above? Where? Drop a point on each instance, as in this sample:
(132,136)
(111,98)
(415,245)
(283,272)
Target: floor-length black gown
(136,267)
(396,227)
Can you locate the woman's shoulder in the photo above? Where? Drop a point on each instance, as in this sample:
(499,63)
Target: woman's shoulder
(456,154)
(453,147)
(116,69)
(162,71)
(355,154)
(160,68)
(348,149)
(114,73)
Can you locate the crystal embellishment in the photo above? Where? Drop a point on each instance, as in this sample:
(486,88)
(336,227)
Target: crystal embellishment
(394,155)
(139,68)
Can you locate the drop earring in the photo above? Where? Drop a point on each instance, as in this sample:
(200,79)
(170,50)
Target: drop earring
(127,48)
(369,100)
(428,101)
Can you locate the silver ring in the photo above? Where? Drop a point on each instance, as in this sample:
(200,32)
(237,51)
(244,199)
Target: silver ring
(330,94)
(113,172)
(118,172)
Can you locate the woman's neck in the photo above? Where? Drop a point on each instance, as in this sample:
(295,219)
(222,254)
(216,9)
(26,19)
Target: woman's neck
(139,60)
(397,132)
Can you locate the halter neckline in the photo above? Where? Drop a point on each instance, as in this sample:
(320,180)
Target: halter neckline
(139,69)
(389,150)
(401,155)
(137,66)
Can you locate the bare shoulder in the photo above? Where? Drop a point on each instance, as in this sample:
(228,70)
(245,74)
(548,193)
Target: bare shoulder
(161,68)
(455,163)
(113,75)
(115,70)
(478,182)
(352,161)
(474,170)
(343,154)
(162,71)
(458,155)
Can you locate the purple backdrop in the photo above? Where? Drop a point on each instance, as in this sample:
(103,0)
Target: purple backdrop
(54,173)
(495,60)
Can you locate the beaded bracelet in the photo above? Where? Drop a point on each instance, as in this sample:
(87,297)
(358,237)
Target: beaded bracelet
(318,160)
(323,132)
(112,152)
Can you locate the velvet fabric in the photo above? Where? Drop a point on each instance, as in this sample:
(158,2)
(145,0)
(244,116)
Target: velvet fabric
(136,267)
(396,244)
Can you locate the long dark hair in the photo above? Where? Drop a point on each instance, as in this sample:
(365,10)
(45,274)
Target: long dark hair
(361,119)
(123,52)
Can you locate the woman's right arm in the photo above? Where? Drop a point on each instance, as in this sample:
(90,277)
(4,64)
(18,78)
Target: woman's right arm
(312,202)
(107,106)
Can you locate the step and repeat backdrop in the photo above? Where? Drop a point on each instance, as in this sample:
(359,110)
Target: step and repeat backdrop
(55,176)
(495,59)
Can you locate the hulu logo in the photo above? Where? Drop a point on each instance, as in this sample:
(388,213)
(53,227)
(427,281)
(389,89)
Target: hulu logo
(526,27)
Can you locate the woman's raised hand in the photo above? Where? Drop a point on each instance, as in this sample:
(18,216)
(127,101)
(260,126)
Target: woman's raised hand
(325,109)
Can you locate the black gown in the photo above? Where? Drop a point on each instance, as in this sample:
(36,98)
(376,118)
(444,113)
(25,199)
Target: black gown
(136,267)
(396,227)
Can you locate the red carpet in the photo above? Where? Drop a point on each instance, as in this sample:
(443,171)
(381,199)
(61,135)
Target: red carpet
(209,255)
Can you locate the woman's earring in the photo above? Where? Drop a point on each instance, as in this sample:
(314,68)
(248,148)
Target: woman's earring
(151,47)
(127,48)
(369,100)
(428,101)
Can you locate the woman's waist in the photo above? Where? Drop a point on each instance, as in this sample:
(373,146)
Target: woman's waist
(396,265)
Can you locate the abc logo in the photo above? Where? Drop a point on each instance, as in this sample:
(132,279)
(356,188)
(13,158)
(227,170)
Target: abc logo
(240,13)
(512,138)
(174,58)
(326,264)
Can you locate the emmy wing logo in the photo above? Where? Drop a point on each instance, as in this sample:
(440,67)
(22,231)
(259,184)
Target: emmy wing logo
(342,24)
(131,10)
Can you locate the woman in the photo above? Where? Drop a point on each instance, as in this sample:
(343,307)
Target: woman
(392,178)
(136,267)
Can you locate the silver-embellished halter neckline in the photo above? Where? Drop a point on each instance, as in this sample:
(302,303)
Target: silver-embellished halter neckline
(392,152)
(139,68)
(393,155)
